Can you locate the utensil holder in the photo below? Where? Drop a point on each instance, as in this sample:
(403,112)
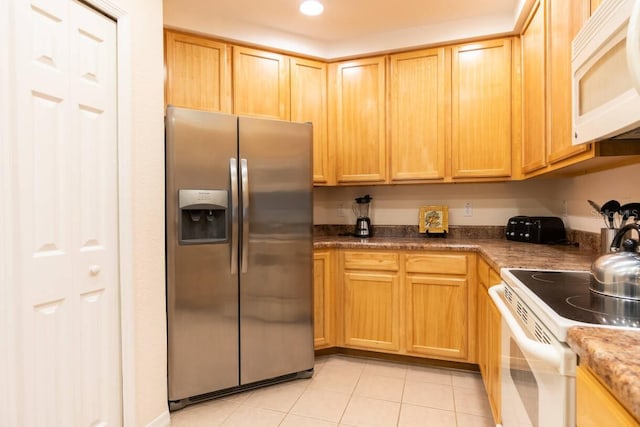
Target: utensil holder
(606,237)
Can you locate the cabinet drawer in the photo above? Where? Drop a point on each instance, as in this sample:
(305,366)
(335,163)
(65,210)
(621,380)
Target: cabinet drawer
(436,263)
(384,261)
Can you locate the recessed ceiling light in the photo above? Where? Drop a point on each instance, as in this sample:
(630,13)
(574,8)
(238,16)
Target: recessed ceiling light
(311,7)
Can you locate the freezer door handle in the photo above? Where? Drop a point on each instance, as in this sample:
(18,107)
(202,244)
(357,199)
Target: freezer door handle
(233,175)
(244,172)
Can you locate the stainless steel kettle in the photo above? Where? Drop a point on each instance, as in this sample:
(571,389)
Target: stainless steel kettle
(617,274)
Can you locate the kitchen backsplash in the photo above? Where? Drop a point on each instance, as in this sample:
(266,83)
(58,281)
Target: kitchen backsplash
(491,204)
(455,232)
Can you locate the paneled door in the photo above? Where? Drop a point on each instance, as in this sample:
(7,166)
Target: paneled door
(260,84)
(481,116)
(64,208)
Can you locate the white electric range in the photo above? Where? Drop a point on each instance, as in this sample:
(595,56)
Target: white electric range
(538,367)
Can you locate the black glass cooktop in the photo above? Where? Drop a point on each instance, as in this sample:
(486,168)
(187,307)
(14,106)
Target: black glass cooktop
(568,294)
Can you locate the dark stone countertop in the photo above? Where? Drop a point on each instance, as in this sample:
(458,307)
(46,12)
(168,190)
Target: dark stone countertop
(613,356)
(498,253)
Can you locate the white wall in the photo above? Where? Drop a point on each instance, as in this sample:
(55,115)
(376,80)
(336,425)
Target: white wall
(621,184)
(492,203)
(145,400)
(202,16)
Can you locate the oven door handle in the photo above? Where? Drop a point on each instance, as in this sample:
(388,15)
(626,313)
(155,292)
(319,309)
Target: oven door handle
(543,352)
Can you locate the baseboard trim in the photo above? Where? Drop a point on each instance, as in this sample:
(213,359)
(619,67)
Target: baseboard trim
(402,358)
(162,420)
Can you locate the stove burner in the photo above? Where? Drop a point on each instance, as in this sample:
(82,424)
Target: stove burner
(568,294)
(560,277)
(541,277)
(610,310)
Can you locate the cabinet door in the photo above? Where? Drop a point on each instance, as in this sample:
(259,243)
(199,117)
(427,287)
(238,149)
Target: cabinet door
(437,316)
(419,87)
(481,109)
(483,311)
(309,104)
(371,310)
(322,300)
(533,96)
(565,18)
(483,334)
(596,406)
(197,74)
(494,325)
(260,83)
(360,139)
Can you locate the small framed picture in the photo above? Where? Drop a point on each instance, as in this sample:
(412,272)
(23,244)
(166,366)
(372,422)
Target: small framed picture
(434,219)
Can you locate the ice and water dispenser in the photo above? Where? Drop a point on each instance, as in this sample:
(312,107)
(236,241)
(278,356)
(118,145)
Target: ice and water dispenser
(203,216)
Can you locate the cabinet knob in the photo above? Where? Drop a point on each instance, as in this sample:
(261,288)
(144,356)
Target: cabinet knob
(94,269)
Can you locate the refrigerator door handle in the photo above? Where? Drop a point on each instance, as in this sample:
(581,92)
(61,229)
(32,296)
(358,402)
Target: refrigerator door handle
(233,175)
(244,172)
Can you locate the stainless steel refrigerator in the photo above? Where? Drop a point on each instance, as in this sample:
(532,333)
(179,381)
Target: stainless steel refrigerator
(239,253)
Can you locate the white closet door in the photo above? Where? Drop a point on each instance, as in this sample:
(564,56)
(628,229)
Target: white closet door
(65,194)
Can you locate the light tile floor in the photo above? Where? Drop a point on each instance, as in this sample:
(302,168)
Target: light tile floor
(349,391)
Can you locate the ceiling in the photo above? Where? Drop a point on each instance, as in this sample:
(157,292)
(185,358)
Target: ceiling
(347,27)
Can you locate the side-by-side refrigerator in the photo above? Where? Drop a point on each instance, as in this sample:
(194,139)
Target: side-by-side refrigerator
(239,253)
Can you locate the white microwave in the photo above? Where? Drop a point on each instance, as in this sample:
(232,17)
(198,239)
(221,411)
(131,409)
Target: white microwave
(605,71)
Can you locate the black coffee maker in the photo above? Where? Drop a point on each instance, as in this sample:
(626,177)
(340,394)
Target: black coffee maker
(361,210)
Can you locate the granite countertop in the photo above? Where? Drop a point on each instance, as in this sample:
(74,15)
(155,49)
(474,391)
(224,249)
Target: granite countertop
(498,253)
(611,354)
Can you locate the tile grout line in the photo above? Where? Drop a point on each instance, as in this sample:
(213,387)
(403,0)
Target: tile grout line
(296,401)
(351,395)
(404,385)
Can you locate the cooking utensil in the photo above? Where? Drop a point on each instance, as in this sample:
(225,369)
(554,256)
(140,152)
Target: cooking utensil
(629,210)
(610,209)
(598,210)
(618,274)
(594,205)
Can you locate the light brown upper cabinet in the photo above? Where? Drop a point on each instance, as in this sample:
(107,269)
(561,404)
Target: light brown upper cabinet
(196,72)
(260,83)
(309,104)
(357,119)
(481,120)
(534,153)
(564,20)
(546,57)
(482,111)
(419,89)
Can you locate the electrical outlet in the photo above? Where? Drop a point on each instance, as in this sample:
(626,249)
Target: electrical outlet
(340,210)
(468,209)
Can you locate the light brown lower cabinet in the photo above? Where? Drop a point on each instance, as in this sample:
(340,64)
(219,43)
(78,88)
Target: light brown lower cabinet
(323,305)
(596,406)
(489,337)
(436,305)
(411,303)
(371,295)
